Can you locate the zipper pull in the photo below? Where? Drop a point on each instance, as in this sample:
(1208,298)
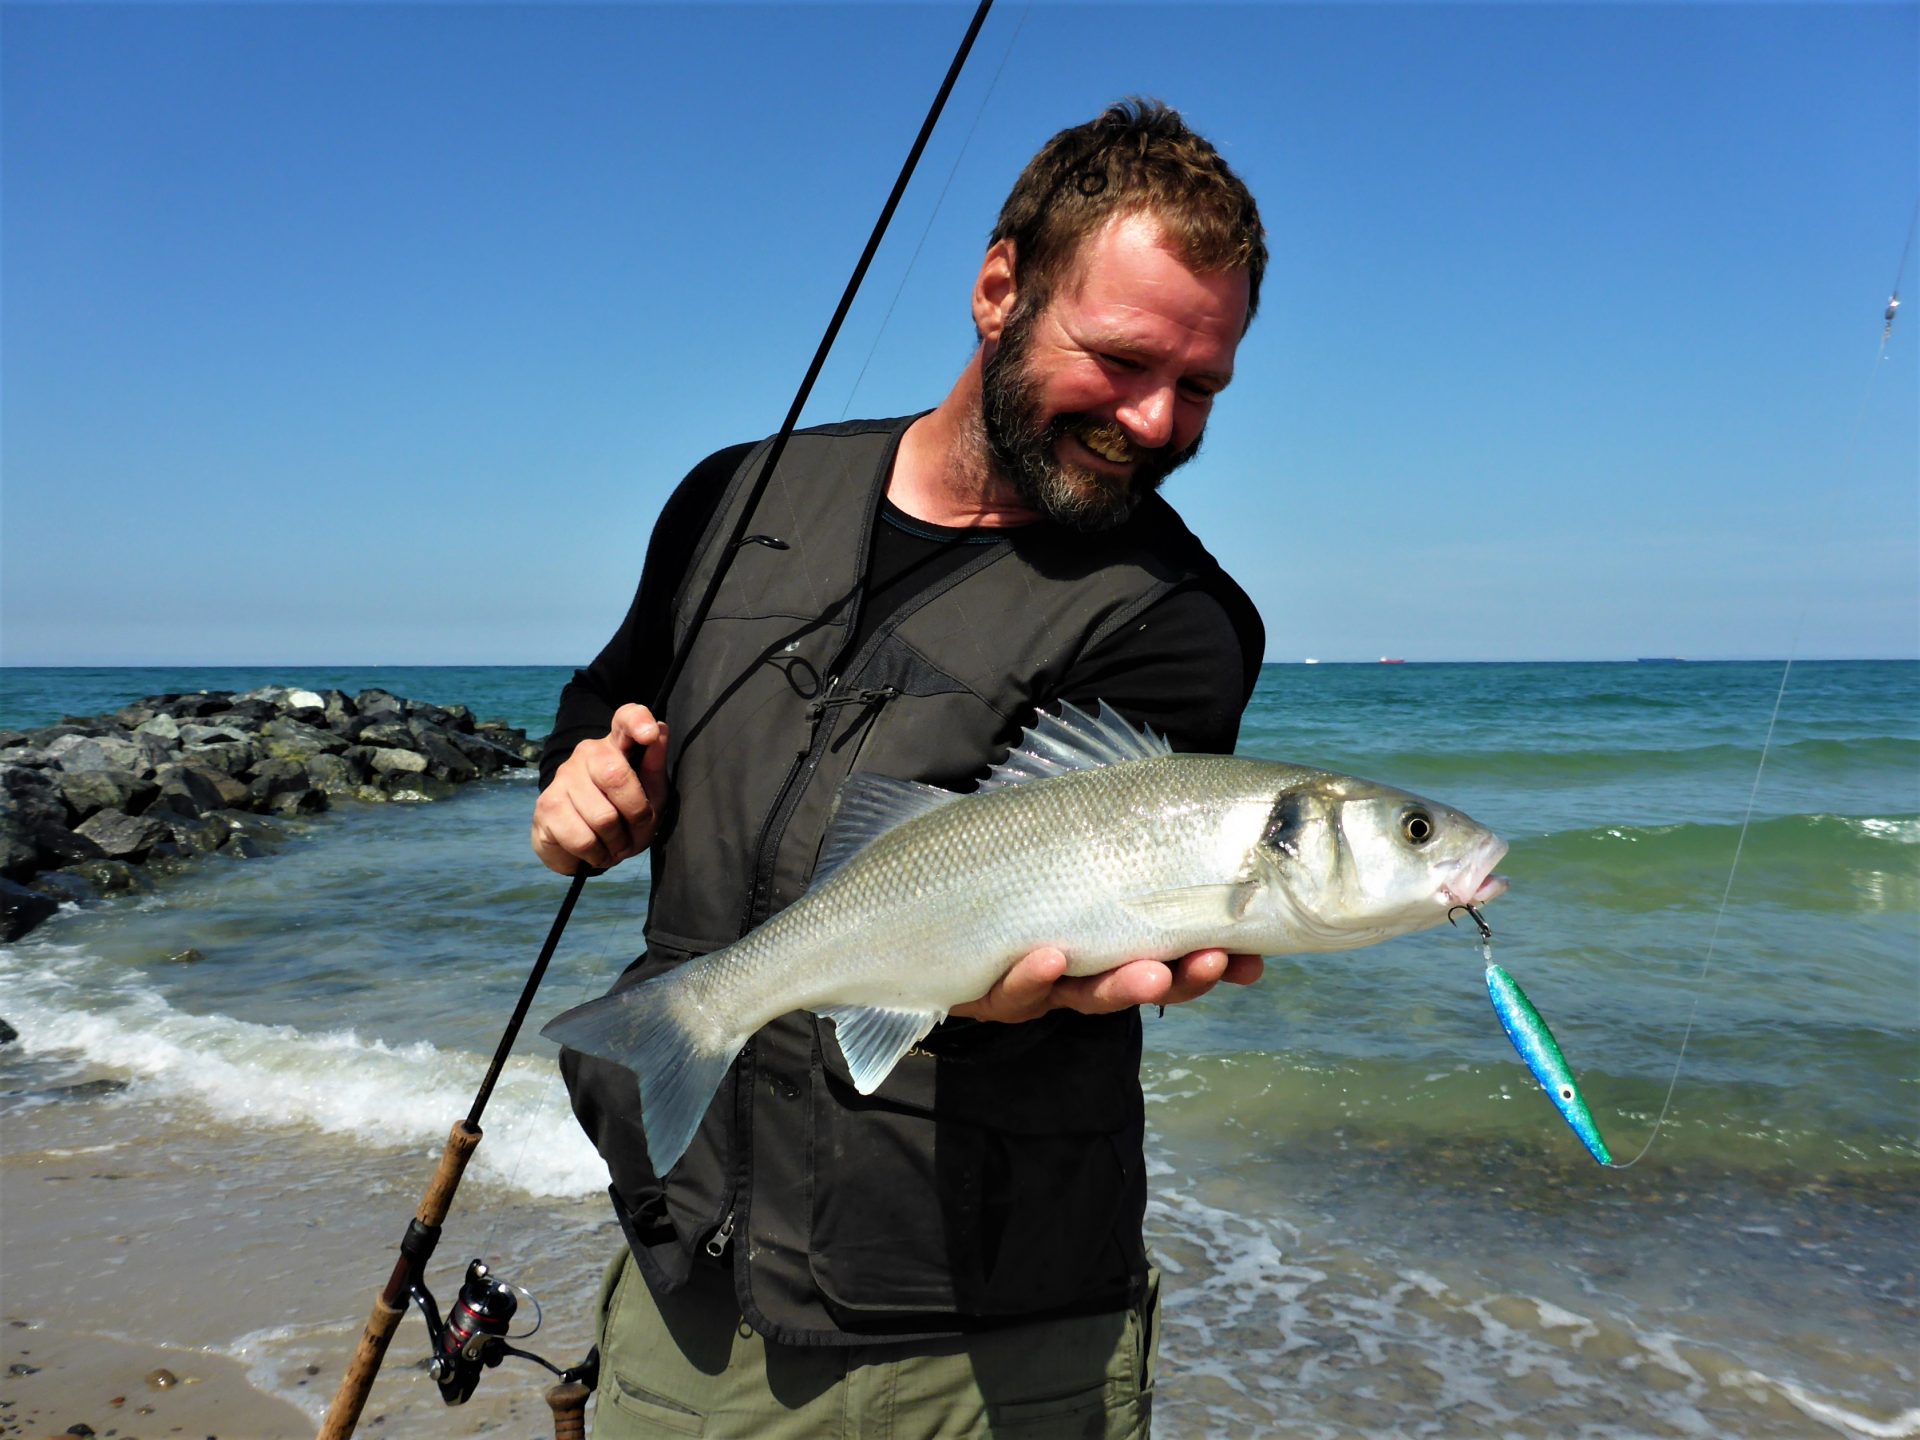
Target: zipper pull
(717,1245)
(818,707)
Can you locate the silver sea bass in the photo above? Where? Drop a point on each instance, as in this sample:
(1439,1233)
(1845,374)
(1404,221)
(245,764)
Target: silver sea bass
(1092,837)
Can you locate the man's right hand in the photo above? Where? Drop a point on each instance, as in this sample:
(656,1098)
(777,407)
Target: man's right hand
(600,807)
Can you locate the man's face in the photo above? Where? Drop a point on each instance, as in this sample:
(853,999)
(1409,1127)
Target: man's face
(1090,403)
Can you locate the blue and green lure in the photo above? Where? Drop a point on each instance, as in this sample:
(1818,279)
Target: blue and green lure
(1535,1042)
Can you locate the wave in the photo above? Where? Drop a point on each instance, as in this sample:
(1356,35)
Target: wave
(1852,862)
(65,1004)
(1534,763)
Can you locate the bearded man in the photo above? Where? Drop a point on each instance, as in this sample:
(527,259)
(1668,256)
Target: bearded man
(960,1251)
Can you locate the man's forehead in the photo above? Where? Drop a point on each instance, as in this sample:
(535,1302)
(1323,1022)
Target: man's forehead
(1111,253)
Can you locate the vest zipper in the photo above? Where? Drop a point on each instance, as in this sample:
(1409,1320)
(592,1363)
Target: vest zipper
(717,1242)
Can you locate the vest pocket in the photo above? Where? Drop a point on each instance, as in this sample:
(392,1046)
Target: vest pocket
(983,1190)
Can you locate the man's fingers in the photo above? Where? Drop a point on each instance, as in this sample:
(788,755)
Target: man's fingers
(635,725)
(1024,993)
(561,833)
(653,770)
(1194,975)
(608,767)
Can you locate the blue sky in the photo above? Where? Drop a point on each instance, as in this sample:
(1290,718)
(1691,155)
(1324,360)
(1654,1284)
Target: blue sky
(377,334)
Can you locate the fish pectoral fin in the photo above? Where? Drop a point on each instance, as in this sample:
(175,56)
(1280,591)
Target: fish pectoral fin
(873,1040)
(1203,907)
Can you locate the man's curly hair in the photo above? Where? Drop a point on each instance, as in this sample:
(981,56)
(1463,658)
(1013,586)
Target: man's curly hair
(1138,157)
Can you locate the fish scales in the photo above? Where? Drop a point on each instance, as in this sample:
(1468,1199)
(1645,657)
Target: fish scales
(1091,837)
(967,890)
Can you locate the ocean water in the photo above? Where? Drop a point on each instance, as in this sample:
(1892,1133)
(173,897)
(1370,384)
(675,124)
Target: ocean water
(1371,1221)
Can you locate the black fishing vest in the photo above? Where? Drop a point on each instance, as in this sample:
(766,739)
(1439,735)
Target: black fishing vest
(997,1174)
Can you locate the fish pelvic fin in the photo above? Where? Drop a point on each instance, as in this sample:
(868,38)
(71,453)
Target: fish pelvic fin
(645,1030)
(873,1040)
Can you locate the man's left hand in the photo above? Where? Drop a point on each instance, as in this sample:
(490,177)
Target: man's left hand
(1038,982)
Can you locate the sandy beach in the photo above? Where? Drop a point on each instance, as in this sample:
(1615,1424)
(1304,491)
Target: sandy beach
(267,1276)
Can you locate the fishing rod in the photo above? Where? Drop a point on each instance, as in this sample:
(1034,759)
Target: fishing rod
(473,1335)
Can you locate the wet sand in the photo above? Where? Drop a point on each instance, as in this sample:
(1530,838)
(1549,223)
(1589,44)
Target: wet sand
(133,1244)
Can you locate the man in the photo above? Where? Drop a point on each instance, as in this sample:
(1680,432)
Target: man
(960,1251)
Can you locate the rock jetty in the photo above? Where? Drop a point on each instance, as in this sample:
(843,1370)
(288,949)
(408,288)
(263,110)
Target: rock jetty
(88,805)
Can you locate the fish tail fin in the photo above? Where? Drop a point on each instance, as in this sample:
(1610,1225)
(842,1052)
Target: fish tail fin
(653,1030)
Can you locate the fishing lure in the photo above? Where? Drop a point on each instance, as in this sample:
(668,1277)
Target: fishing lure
(1535,1042)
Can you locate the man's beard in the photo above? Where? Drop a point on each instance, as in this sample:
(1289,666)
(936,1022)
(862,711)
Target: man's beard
(1025,445)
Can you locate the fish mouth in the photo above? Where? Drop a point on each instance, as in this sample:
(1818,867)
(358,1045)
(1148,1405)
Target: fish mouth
(1476,884)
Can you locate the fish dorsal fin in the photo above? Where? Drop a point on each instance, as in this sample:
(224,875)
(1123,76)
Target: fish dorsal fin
(866,807)
(1074,740)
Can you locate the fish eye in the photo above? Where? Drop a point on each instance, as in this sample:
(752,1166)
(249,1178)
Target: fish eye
(1565,1093)
(1417,825)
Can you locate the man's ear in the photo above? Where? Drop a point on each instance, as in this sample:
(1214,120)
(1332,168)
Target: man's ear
(994,292)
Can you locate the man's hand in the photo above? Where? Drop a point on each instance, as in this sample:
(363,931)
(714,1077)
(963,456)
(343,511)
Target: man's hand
(601,808)
(1038,982)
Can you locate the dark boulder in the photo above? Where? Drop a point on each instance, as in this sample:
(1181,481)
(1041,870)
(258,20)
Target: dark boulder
(88,791)
(236,759)
(124,837)
(161,726)
(196,732)
(48,735)
(444,760)
(195,834)
(272,778)
(392,734)
(245,825)
(69,887)
(297,802)
(414,788)
(188,789)
(286,739)
(29,795)
(395,761)
(7,1033)
(248,714)
(21,909)
(339,709)
(487,758)
(19,856)
(101,752)
(339,774)
(109,877)
(380,703)
(195,706)
(514,742)
(58,846)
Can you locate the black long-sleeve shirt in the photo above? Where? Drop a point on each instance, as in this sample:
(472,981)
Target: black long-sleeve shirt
(1185,667)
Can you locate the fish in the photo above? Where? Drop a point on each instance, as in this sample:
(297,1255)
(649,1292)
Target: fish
(1091,836)
(1535,1042)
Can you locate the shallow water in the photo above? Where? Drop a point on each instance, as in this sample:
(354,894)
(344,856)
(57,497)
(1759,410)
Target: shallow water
(1371,1220)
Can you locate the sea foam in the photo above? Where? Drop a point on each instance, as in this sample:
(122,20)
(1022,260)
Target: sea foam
(66,1004)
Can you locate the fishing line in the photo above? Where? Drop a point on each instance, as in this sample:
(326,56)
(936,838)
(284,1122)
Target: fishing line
(934,215)
(1793,650)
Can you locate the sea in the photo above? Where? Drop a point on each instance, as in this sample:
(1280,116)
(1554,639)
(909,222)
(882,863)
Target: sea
(1370,1220)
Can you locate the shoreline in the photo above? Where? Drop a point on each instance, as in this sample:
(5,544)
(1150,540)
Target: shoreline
(271,1276)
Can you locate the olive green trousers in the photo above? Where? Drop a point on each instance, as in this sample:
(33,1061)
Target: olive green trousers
(688,1364)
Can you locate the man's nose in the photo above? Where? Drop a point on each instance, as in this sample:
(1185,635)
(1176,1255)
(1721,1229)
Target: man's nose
(1148,416)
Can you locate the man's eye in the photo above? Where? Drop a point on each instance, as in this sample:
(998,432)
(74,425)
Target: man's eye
(1120,362)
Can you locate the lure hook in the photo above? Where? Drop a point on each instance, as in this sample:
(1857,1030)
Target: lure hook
(1479,920)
